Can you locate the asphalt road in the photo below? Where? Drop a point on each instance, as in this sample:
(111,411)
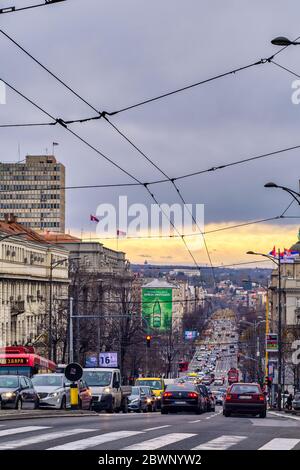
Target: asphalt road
(151,431)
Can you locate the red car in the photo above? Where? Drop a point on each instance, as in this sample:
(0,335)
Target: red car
(245,398)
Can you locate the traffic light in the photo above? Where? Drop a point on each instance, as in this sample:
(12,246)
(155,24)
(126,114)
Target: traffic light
(148,341)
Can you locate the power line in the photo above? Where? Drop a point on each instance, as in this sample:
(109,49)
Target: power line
(285,68)
(63,124)
(29,7)
(164,95)
(173,184)
(217,267)
(29,124)
(187,87)
(180,177)
(103,114)
(229,227)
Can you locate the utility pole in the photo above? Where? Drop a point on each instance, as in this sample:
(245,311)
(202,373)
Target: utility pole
(279,334)
(50,309)
(71,339)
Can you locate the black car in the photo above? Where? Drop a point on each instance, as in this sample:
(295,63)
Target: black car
(17,392)
(183,397)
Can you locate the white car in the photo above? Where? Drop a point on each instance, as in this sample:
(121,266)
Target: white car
(53,390)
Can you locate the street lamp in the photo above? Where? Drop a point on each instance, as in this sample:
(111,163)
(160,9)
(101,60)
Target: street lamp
(293,193)
(283,41)
(278,263)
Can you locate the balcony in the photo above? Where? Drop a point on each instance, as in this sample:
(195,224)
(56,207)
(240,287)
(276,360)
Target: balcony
(17,307)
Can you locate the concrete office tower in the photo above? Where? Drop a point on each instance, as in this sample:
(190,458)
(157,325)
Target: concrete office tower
(34,192)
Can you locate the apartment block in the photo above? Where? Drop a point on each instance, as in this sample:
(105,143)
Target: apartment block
(33,190)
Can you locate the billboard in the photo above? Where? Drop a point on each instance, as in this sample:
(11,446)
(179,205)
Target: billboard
(190,334)
(157,307)
(271,342)
(104,359)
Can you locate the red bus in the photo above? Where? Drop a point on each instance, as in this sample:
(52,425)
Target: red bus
(233,375)
(22,360)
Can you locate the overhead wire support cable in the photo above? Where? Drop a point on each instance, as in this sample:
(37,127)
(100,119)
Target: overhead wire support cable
(29,7)
(64,125)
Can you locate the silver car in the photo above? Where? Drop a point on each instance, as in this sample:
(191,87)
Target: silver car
(296,401)
(53,390)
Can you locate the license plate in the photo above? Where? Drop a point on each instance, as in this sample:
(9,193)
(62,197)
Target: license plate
(179,402)
(245,397)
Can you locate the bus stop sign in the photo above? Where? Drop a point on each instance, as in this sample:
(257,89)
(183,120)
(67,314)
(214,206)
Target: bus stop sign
(73,372)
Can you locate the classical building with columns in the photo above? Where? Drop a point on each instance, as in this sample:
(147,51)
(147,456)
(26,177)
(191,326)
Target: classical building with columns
(28,264)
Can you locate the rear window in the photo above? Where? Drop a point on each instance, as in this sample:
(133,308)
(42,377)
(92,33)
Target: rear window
(185,386)
(251,389)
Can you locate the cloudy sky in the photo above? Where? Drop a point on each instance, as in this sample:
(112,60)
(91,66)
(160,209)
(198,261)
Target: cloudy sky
(116,53)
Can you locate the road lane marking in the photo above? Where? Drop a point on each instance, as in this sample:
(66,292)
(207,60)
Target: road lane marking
(42,438)
(283,416)
(196,421)
(220,443)
(159,442)
(157,427)
(280,444)
(9,432)
(96,440)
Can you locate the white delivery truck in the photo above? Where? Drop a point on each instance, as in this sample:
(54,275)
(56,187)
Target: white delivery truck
(107,392)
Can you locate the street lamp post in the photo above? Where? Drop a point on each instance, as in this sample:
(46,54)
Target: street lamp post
(279,332)
(292,193)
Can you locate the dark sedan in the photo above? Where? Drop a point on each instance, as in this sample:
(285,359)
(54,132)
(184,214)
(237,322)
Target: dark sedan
(17,392)
(183,397)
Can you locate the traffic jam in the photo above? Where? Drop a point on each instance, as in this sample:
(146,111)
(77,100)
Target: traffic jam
(211,380)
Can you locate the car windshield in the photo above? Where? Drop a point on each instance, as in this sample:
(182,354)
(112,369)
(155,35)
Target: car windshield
(155,384)
(245,389)
(9,382)
(97,378)
(135,391)
(146,390)
(47,380)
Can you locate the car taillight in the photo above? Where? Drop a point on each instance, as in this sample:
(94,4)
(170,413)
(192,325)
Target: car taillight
(228,397)
(167,394)
(192,395)
(261,397)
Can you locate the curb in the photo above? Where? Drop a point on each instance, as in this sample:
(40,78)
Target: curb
(16,416)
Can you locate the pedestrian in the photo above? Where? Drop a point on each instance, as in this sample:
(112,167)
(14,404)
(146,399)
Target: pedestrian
(289,402)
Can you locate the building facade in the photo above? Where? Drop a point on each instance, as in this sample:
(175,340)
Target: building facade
(290,306)
(27,264)
(34,191)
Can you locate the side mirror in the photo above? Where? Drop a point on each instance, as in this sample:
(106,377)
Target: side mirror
(117,385)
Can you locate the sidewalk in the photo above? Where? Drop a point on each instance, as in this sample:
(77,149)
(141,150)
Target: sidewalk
(285,413)
(32,414)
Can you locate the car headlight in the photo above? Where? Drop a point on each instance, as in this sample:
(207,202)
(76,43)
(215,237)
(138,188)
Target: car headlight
(159,397)
(149,400)
(7,395)
(53,395)
(107,390)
